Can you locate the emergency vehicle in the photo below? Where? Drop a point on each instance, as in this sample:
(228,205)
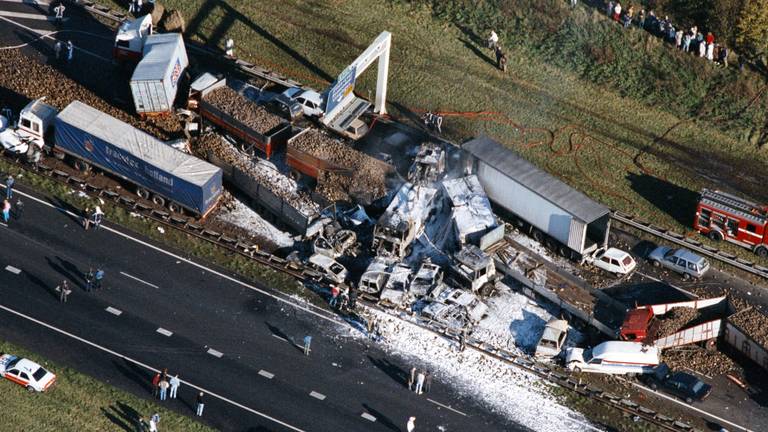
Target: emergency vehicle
(722,216)
(26,373)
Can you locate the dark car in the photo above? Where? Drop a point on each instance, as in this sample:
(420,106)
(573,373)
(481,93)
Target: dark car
(680,384)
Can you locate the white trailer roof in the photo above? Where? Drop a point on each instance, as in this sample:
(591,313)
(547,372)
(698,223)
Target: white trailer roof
(411,204)
(511,164)
(138,143)
(159,52)
(626,352)
(472,210)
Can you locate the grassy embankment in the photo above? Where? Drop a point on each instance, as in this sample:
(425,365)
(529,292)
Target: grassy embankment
(616,113)
(78,402)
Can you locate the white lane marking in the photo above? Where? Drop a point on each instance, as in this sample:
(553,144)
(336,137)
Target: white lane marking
(164,332)
(22,15)
(279,337)
(447,407)
(113,311)
(215,353)
(47,35)
(12,269)
(322,316)
(137,279)
(688,293)
(317,395)
(368,417)
(265,374)
(736,426)
(150,368)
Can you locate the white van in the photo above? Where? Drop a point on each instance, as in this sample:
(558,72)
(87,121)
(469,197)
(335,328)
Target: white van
(613,357)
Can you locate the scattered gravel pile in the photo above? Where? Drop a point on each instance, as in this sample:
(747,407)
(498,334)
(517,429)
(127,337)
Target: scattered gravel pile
(754,323)
(709,363)
(676,320)
(250,114)
(368,175)
(23,79)
(263,173)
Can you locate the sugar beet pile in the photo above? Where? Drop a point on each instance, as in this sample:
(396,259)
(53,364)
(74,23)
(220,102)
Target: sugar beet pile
(243,110)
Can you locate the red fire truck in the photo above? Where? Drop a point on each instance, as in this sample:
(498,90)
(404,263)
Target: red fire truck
(722,216)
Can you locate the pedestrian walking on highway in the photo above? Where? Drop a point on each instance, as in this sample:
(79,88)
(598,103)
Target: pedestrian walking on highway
(163,388)
(427,382)
(89,280)
(175,383)
(64,291)
(58,47)
(307,343)
(70,51)
(155,384)
(18,209)
(412,379)
(411,425)
(9,182)
(6,210)
(96,217)
(200,404)
(420,377)
(59,10)
(98,277)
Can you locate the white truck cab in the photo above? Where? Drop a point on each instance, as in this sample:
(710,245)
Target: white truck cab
(35,121)
(614,357)
(130,38)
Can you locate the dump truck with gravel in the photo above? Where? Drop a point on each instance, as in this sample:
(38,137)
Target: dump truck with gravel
(223,104)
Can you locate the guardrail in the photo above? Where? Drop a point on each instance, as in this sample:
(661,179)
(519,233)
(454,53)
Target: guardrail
(687,242)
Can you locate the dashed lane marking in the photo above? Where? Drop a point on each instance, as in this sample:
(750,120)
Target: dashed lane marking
(140,280)
(113,311)
(215,353)
(317,395)
(164,332)
(209,393)
(265,374)
(447,407)
(368,417)
(13,269)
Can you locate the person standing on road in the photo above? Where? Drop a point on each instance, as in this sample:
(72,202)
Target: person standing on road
(155,384)
(427,382)
(307,343)
(97,217)
(200,404)
(70,51)
(335,291)
(58,47)
(64,291)
(9,182)
(89,280)
(412,379)
(59,10)
(163,385)
(97,278)
(6,210)
(411,425)
(87,219)
(175,383)
(420,377)
(18,209)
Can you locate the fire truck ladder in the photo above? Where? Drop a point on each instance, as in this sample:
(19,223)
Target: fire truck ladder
(731,202)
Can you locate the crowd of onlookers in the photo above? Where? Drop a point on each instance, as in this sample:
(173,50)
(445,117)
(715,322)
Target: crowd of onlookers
(691,40)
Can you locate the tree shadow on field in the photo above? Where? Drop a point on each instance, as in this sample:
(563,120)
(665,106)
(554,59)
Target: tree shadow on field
(676,201)
(228,16)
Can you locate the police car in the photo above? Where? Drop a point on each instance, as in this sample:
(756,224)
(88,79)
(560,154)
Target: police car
(26,373)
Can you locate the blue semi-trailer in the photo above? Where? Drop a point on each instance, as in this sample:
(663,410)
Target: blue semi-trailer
(160,172)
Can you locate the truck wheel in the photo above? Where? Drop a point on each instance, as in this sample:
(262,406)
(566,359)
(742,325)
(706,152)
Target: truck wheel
(689,400)
(654,386)
(175,207)
(537,235)
(577,370)
(762,252)
(59,155)
(564,252)
(158,200)
(82,166)
(143,193)
(715,235)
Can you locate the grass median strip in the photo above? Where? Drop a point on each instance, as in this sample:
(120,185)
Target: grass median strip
(78,402)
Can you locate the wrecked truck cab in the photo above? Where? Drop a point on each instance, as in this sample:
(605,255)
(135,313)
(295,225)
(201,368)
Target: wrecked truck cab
(474,269)
(332,269)
(375,276)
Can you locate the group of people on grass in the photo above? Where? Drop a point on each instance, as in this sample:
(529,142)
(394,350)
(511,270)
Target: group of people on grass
(688,40)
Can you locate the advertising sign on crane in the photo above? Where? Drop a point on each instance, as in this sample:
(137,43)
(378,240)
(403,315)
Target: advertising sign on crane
(341,88)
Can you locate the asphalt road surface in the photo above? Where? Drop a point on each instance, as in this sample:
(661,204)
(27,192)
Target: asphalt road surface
(235,339)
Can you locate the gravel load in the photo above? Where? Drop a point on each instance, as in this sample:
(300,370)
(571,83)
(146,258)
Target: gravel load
(263,172)
(709,363)
(754,323)
(250,114)
(675,320)
(367,174)
(23,79)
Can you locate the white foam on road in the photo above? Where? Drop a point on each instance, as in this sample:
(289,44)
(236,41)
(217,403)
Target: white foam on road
(12,269)
(247,218)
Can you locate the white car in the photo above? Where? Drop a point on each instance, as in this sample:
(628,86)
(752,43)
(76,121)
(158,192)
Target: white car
(329,266)
(26,373)
(614,261)
(312,103)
